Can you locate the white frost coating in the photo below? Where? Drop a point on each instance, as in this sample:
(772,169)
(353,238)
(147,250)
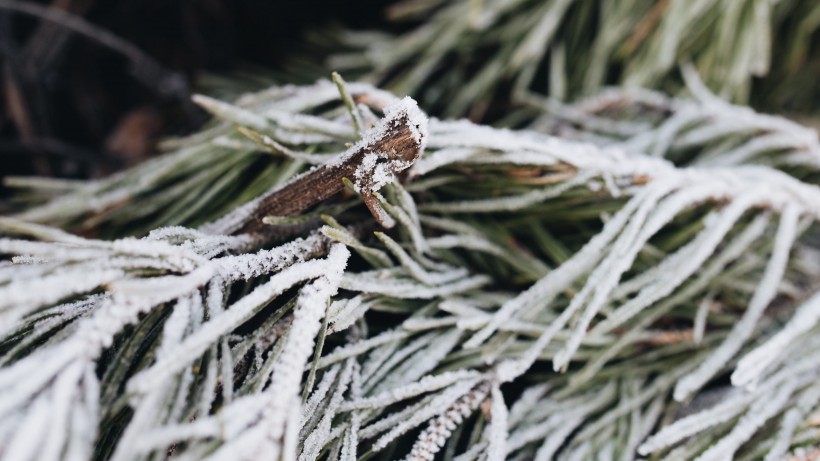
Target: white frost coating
(800,371)
(409,290)
(440,158)
(309,123)
(606,276)
(343,314)
(426,384)
(45,428)
(687,426)
(685,262)
(763,295)
(417,120)
(459,401)
(351,437)
(160,438)
(571,414)
(556,437)
(247,266)
(717,263)
(372,173)
(382,361)
(510,203)
(200,270)
(315,441)
(49,319)
(198,342)
(699,325)
(361,347)
(91,336)
(790,422)
(526,402)
(642,424)
(174,328)
(497,430)
(421,362)
(415,269)
(226,371)
(584,111)
(370,176)
(556,281)
(706,120)
(417,124)
(275,433)
(752,365)
(24,296)
(758,414)
(27,439)
(381,177)
(319,394)
(230,112)
(386,422)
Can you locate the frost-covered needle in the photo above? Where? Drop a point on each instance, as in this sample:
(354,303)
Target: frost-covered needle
(393,145)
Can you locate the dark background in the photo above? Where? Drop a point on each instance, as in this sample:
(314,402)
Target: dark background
(72,106)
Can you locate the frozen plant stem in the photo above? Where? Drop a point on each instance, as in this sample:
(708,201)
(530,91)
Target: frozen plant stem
(390,147)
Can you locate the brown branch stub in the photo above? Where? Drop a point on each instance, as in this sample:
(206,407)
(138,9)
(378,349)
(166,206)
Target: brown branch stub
(390,147)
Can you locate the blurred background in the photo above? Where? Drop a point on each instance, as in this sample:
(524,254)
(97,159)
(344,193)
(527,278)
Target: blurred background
(89,86)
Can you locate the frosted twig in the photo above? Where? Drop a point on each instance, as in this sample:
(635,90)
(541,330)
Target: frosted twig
(390,147)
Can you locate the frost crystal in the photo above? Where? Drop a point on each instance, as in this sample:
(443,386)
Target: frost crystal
(365,180)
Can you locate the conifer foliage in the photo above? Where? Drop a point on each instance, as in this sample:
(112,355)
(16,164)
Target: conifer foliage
(634,276)
(459,57)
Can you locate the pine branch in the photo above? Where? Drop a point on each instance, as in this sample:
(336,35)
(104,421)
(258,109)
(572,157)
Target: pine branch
(644,284)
